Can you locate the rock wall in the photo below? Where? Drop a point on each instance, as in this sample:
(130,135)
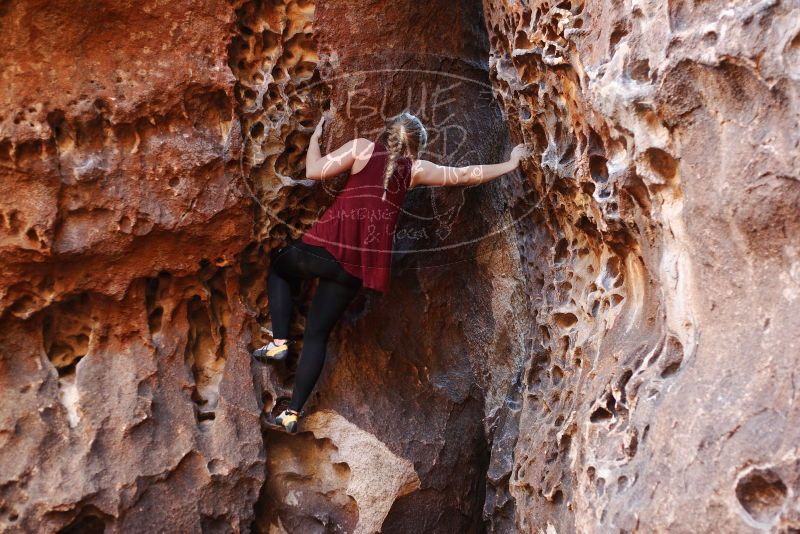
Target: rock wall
(399,410)
(602,344)
(660,391)
(127,397)
(151,159)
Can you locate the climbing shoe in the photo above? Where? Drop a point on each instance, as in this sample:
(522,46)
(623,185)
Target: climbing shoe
(288,420)
(272,352)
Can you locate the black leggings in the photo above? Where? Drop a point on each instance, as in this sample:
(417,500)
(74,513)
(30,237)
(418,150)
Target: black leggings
(337,288)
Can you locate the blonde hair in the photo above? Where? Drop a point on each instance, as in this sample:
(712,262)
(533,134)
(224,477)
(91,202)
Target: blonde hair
(403,134)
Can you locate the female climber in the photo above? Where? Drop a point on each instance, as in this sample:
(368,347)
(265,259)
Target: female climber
(350,245)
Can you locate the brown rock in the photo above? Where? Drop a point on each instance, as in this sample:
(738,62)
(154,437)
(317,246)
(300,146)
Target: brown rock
(659,394)
(124,366)
(621,360)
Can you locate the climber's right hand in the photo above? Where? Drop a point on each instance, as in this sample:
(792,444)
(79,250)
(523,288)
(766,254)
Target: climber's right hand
(518,153)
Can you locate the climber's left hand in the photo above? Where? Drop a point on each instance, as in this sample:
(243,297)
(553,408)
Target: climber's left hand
(318,131)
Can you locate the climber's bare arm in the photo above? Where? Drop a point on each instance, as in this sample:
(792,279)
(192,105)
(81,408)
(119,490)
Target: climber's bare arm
(319,167)
(428,173)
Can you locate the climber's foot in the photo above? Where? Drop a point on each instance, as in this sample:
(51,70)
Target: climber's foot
(288,420)
(272,352)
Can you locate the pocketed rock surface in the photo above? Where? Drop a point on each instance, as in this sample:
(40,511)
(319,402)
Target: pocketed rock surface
(603,341)
(660,393)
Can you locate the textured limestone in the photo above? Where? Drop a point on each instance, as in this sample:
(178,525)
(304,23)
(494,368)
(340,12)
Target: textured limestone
(604,346)
(660,391)
(413,368)
(149,158)
(126,385)
(370,476)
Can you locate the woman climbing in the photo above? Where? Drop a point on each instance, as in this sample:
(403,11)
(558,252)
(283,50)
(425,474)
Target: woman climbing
(350,246)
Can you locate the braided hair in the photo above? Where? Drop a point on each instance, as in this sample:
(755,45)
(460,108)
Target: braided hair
(403,134)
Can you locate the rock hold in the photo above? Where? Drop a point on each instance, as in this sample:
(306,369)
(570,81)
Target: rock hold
(601,342)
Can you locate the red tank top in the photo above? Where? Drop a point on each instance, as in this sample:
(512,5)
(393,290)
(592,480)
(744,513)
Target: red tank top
(358,228)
